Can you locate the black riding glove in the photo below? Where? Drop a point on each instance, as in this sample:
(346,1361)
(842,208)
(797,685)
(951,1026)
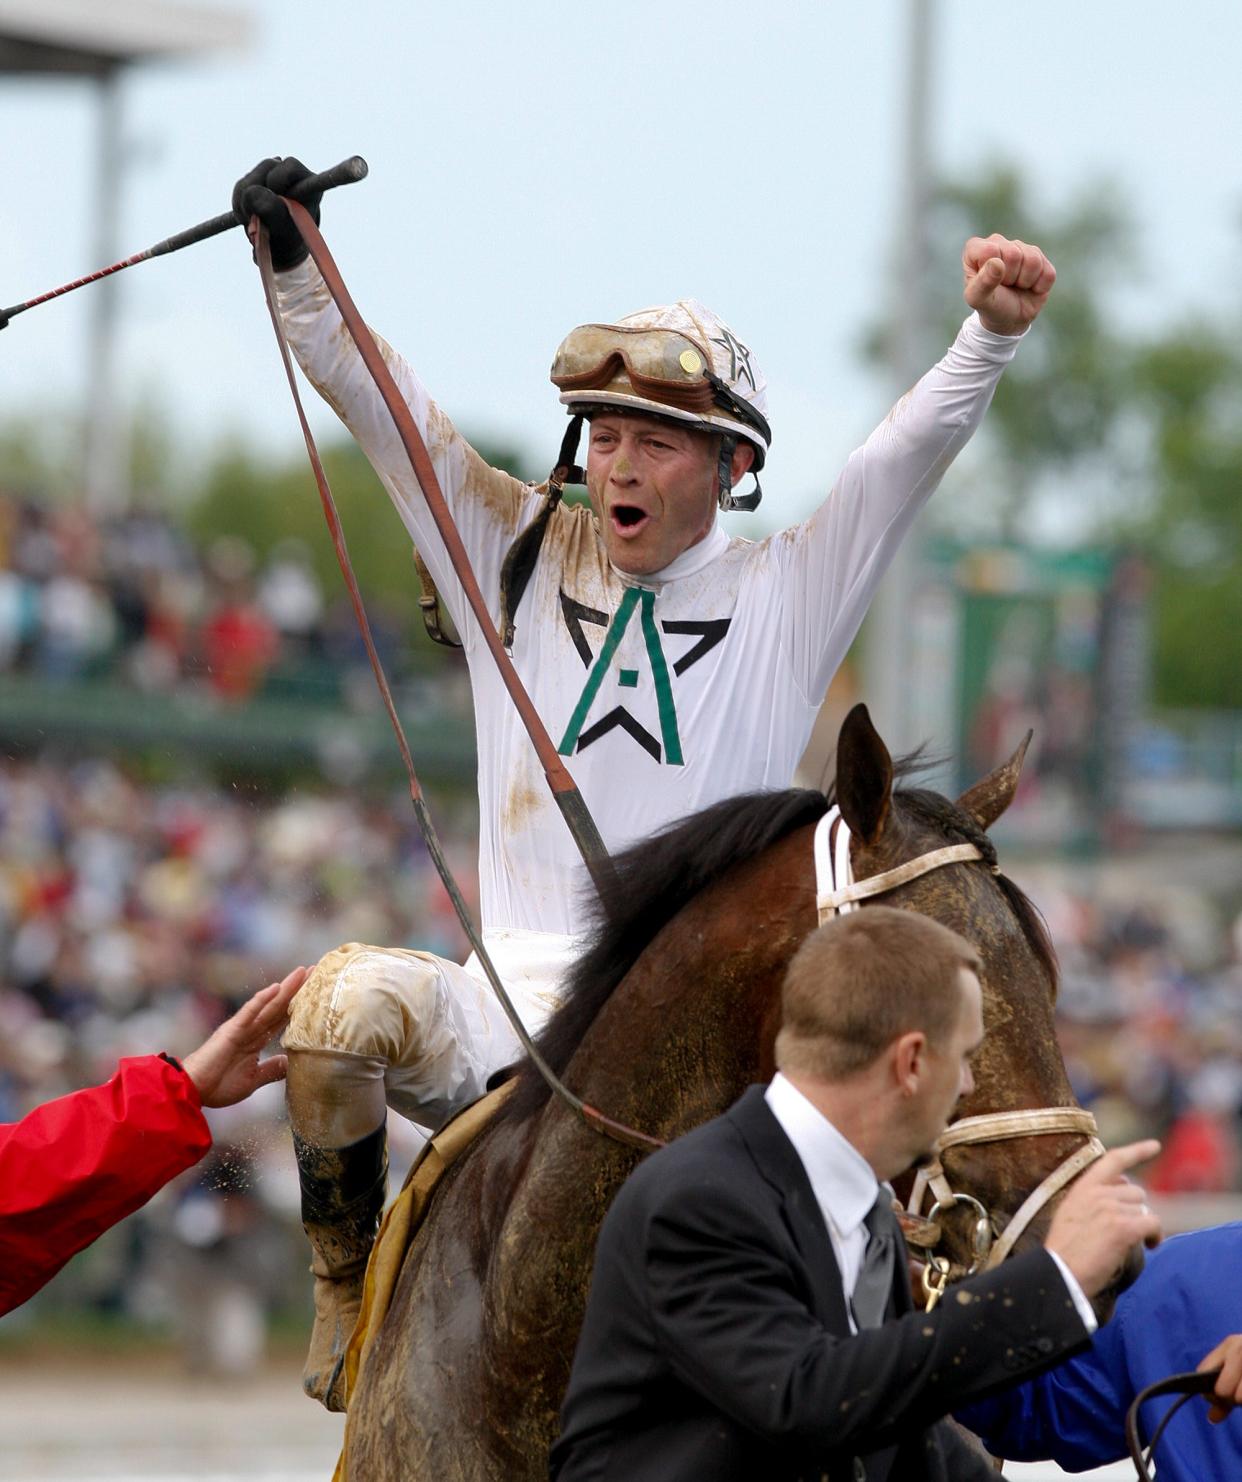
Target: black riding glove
(258,194)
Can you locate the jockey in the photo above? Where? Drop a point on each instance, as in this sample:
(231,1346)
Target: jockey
(674,666)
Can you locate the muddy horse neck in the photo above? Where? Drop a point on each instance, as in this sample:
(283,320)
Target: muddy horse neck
(690,1026)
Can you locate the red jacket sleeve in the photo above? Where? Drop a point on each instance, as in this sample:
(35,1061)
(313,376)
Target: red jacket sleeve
(77,1165)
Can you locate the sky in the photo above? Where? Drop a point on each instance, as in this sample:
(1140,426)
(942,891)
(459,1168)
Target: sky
(534,166)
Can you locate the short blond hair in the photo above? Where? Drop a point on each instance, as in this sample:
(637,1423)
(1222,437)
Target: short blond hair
(861,980)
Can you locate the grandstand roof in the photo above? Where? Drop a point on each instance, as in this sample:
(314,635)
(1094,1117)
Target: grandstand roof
(92,38)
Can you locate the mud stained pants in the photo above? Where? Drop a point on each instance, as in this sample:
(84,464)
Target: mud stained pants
(432,1028)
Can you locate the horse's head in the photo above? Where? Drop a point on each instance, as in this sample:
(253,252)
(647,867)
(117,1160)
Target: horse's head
(1019,1067)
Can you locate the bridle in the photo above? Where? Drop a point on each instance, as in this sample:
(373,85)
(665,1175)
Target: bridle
(990,1250)
(837,893)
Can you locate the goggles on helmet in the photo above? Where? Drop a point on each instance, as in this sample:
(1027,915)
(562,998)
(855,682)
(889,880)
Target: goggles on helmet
(661,368)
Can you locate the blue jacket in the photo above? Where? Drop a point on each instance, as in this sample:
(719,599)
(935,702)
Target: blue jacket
(1188,1298)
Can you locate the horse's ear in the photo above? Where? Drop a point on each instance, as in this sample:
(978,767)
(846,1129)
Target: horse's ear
(864,776)
(991,795)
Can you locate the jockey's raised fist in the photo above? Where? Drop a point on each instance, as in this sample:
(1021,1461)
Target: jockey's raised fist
(1007,282)
(258,194)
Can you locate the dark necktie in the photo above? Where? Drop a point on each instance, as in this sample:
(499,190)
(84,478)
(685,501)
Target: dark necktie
(875,1279)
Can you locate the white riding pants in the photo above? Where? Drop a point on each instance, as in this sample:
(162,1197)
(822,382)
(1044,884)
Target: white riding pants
(435,1026)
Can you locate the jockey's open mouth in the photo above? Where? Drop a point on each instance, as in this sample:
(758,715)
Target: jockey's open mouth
(628,520)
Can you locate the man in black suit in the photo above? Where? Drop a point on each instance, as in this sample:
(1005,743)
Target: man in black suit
(750,1314)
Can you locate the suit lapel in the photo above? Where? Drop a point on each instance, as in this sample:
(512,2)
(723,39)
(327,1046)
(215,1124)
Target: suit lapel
(781,1168)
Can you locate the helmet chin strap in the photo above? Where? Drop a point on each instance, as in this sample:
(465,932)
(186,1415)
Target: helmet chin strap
(523,554)
(726,498)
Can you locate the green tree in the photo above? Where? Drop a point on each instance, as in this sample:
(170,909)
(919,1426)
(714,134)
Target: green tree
(1189,384)
(1057,416)
(40,455)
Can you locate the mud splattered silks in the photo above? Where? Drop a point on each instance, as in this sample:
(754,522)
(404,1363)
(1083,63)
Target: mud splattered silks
(668,692)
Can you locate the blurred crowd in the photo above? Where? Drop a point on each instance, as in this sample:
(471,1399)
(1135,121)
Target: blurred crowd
(137,915)
(133,918)
(1149,1018)
(129,598)
(134,914)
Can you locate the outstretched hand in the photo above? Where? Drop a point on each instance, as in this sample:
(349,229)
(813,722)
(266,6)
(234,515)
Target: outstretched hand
(1102,1216)
(1007,282)
(1227,1357)
(227,1068)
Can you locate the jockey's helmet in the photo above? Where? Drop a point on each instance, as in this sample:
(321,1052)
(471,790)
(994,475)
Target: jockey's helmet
(678,361)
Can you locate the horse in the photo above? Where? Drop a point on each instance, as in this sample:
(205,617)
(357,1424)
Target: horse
(668,1016)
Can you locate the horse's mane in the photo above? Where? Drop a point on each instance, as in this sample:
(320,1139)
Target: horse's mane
(657,877)
(654,880)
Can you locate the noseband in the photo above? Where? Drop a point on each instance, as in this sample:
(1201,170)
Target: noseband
(837,892)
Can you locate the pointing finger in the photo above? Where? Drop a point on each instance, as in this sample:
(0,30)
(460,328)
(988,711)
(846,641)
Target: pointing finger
(1118,1161)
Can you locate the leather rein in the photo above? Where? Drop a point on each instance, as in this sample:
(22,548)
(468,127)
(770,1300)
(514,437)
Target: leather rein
(845,894)
(839,893)
(1187,1386)
(567,796)
(832,858)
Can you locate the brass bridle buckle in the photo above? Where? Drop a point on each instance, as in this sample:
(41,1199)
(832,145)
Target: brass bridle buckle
(935,1280)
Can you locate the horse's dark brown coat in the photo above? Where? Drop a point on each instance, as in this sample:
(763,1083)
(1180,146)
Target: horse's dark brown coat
(467,1375)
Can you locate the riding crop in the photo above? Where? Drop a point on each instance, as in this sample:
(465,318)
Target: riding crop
(565,791)
(572,806)
(346,173)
